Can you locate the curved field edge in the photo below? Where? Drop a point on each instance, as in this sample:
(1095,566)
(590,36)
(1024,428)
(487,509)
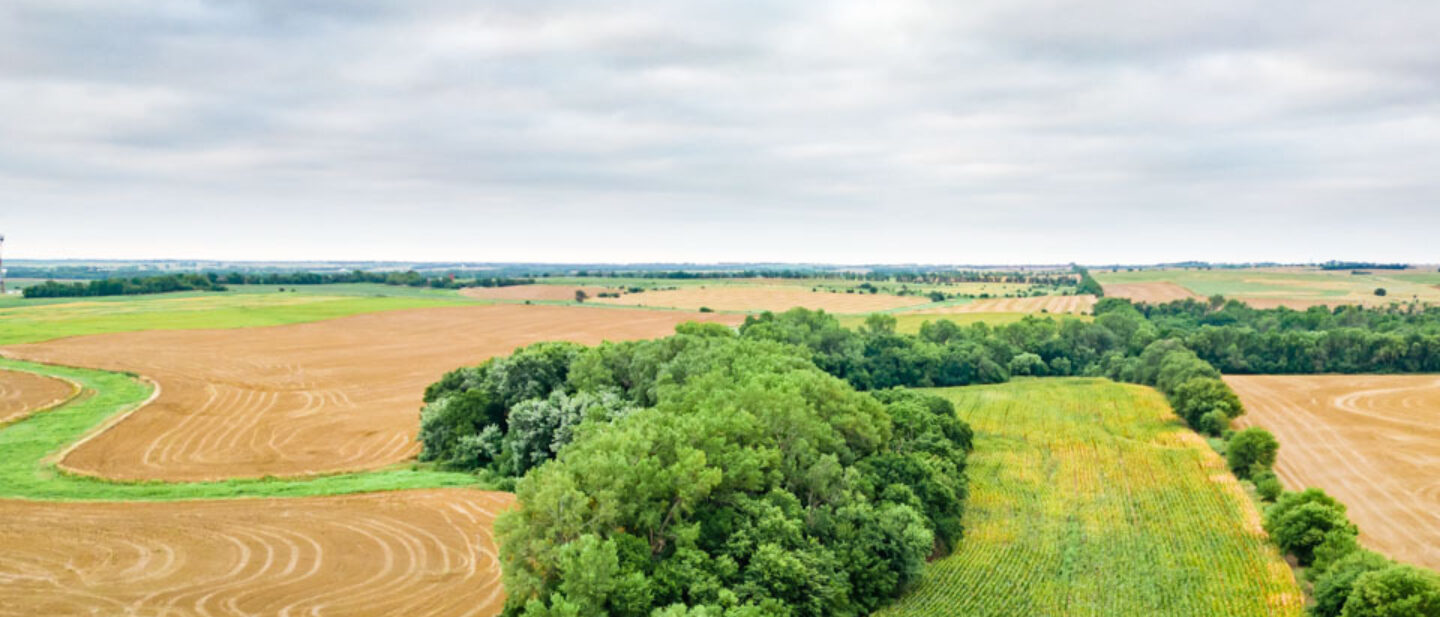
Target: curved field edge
(1089,497)
(31,446)
(75,391)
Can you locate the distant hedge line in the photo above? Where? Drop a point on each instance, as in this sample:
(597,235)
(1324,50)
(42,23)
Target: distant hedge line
(212,281)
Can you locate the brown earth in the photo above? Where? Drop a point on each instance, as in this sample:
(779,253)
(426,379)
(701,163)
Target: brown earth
(1372,441)
(327,396)
(761,298)
(1153,293)
(530,292)
(403,553)
(1034,304)
(24,393)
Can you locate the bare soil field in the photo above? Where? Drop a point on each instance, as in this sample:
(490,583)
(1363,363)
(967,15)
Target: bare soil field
(530,292)
(1153,293)
(24,393)
(401,553)
(328,396)
(1034,304)
(1373,441)
(764,298)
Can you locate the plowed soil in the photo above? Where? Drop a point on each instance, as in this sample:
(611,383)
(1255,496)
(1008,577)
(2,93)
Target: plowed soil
(22,394)
(1153,293)
(1035,304)
(319,397)
(1372,441)
(758,298)
(530,292)
(406,553)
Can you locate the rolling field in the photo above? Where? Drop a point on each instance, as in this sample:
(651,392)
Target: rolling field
(22,394)
(763,298)
(1090,498)
(25,321)
(1081,304)
(1293,287)
(413,553)
(552,293)
(1153,293)
(324,397)
(1372,441)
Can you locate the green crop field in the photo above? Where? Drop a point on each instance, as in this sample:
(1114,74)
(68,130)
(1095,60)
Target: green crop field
(1289,283)
(1090,497)
(28,321)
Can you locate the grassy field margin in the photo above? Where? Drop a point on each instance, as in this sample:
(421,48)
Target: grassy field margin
(31,447)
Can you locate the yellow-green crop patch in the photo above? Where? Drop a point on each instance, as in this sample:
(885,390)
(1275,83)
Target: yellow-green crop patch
(1090,498)
(32,322)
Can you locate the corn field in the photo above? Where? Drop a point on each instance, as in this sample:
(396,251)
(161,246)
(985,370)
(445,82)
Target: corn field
(1090,497)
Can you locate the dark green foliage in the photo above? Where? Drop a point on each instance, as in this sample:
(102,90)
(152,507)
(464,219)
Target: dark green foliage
(1251,450)
(1300,522)
(1088,284)
(753,483)
(126,286)
(1267,485)
(1333,588)
(1396,591)
(466,412)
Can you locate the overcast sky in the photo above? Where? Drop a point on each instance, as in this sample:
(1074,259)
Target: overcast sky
(1004,131)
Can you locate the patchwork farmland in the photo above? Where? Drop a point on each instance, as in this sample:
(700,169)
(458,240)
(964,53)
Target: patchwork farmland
(254,451)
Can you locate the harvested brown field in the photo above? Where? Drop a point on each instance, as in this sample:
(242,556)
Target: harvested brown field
(1372,441)
(764,298)
(530,292)
(317,397)
(1153,293)
(22,394)
(402,553)
(1034,304)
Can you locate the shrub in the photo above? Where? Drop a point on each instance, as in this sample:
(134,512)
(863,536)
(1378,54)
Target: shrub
(1249,449)
(1026,364)
(1213,423)
(1199,396)
(1334,587)
(1397,591)
(1267,485)
(1380,291)
(1301,522)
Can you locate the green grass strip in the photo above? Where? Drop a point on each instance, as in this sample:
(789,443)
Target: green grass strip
(26,447)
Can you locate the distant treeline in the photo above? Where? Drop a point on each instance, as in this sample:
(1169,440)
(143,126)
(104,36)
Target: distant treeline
(410,279)
(212,281)
(1361,265)
(1088,284)
(125,286)
(1349,339)
(934,277)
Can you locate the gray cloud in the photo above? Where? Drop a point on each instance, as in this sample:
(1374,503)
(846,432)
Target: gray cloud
(841,131)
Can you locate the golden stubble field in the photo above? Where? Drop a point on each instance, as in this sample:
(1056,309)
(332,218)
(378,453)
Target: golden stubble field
(426,552)
(1373,441)
(320,397)
(22,394)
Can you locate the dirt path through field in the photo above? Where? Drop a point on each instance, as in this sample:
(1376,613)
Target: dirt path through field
(405,553)
(1372,441)
(317,397)
(22,394)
